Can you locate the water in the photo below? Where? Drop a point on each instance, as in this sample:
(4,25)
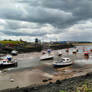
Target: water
(30,60)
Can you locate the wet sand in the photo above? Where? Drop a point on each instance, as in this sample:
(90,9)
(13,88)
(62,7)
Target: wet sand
(32,71)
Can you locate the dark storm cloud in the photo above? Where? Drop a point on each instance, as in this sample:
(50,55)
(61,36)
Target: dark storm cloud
(59,14)
(56,12)
(13,33)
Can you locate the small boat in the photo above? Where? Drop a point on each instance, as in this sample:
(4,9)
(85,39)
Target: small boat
(7,61)
(14,52)
(44,52)
(62,62)
(59,53)
(74,51)
(46,57)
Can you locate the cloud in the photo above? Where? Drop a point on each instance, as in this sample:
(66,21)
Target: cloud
(46,19)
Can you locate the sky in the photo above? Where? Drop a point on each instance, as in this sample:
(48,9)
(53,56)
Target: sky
(47,20)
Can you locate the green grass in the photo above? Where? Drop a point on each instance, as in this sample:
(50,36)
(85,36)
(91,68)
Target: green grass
(62,91)
(11,42)
(83,88)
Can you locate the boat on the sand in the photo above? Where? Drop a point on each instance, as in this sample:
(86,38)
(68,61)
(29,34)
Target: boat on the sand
(46,57)
(62,62)
(14,52)
(7,61)
(59,53)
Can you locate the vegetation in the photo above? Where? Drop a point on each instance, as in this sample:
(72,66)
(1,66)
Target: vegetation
(6,46)
(11,42)
(62,91)
(84,88)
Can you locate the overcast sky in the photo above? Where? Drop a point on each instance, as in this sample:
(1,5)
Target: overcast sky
(46,19)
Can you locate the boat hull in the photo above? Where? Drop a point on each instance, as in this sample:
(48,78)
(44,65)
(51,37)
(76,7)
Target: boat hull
(14,54)
(62,65)
(50,58)
(8,65)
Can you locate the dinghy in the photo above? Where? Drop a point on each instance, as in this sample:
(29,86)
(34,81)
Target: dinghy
(46,57)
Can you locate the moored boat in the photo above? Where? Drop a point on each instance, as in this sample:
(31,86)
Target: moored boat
(7,61)
(62,62)
(14,52)
(59,53)
(46,57)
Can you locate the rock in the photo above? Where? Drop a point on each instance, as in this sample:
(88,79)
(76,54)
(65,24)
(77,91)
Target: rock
(35,88)
(4,70)
(50,83)
(45,80)
(50,79)
(25,90)
(11,80)
(58,82)
(17,87)
(88,74)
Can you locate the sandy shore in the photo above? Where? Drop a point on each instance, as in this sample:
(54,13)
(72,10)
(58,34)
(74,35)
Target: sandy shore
(41,74)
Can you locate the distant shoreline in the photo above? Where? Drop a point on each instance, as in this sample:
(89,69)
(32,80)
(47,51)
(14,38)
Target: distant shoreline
(80,44)
(35,49)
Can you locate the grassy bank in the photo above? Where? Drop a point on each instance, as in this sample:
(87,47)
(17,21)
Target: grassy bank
(11,42)
(22,46)
(76,84)
(81,44)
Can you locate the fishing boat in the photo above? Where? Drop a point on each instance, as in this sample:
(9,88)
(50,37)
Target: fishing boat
(14,52)
(46,57)
(62,62)
(7,61)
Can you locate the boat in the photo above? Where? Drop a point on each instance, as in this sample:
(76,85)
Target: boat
(74,51)
(62,62)
(44,52)
(59,53)
(46,57)
(7,61)
(14,52)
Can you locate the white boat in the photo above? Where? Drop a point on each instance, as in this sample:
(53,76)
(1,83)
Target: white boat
(62,62)
(7,61)
(46,57)
(59,53)
(74,51)
(14,52)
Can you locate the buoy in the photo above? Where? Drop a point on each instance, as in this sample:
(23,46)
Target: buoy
(11,80)
(77,50)
(59,53)
(74,51)
(83,49)
(90,50)
(67,50)
(86,54)
(44,52)
(49,51)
